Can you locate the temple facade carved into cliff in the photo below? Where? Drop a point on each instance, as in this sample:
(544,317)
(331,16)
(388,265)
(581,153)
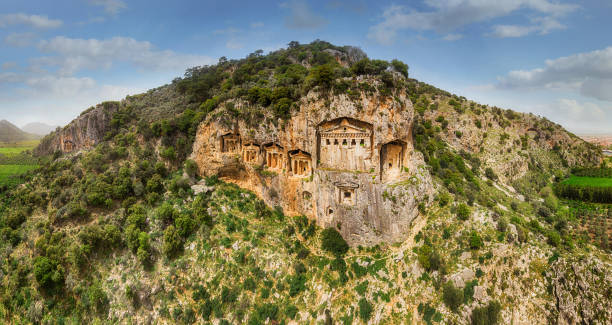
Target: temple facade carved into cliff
(342,170)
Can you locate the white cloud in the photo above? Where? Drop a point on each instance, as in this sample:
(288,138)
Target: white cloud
(59,86)
(452,37)
(57,99)
(580,117)
(10,77)
(234,44)
(36,21)
(76,54)
(541,25)
(589,73)
(302,16)
(445,16)
(110,6)
(20,39)
(227,31)
(9,65)
(93,20)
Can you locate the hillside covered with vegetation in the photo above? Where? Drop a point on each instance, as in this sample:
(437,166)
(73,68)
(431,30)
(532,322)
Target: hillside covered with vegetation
(116,233)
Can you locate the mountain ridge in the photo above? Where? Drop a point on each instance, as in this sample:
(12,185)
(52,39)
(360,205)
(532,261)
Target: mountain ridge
(446,204)
(39,128)
(11,133)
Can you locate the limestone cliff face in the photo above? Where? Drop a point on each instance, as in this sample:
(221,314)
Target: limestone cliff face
(84,132)
(348,164)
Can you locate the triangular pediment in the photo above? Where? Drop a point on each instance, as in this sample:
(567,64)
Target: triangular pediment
(300,155)
(273,147)
(344,127)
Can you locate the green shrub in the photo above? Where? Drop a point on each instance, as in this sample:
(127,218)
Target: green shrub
(475,240)
(97,298)
(463,211)
(490,174)
(554,238)
(502,224)
(452,296)
(297,284)
(167,213)
(468,290)
(429,259)
(400,67)
(155,184)
(168,153)
(332,241)
(191,168)
(185,225)
(144,248)
(49,274)
(291,311)
(365,310)
(486,315)
(131,237)
(173,242)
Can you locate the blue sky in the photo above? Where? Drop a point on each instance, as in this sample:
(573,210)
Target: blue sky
(549,57)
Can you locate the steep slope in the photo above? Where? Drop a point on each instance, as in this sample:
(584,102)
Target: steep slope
(11,133)
(38,128)
(443,205)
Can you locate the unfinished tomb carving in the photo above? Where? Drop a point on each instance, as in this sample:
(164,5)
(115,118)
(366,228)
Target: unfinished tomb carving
(345,144)
(392,159)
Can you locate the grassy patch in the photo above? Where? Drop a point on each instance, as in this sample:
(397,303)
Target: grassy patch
(588,181)
(8,173)
(15,148)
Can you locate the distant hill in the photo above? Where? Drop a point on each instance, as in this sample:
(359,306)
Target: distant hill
(38,128)
(11,133)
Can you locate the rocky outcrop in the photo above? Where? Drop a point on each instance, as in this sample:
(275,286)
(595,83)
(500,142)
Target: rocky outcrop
(348,164)
(84,132)
(582,291)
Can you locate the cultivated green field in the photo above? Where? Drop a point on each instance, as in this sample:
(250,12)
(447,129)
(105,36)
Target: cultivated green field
(14,161)
(8,173)
(12,149)
(589,181)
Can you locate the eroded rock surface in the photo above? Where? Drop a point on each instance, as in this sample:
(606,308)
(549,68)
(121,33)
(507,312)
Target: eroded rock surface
(347,164)
(582,291)
(84,132)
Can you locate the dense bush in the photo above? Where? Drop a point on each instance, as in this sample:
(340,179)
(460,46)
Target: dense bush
(97,298)
(49,274)
(191,168)
(173,242)
(486,315)
(365,310)
(429,258)
(332,241)
(452,296)
(490,173)
(502,224)
(475,240)
(166,213)
(463,211)
(144,248)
